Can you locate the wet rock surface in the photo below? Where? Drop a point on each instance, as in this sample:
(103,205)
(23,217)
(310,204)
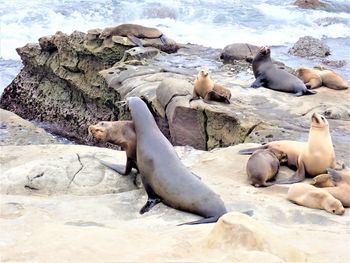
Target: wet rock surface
(94,216)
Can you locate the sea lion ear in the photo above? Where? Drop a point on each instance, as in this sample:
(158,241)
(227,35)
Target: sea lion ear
(334,174)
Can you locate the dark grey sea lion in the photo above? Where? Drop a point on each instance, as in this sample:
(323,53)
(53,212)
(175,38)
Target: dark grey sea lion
(269,76)
(164,176)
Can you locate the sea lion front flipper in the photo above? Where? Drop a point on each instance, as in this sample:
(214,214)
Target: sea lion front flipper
(135,40)
(257,83)
(309,92)
(153,198)
(251,150)
(120,169)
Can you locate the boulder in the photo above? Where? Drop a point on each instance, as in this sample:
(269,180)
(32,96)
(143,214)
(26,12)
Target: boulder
(309,47)
(239,51)
(309,4)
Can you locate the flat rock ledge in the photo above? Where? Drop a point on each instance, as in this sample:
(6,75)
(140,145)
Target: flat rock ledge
(62,191)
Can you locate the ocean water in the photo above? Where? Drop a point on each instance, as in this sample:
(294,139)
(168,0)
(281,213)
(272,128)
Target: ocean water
(277,23)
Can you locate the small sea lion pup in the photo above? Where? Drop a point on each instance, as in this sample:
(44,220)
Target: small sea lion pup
(269,76)
(121,133)
(337,183)
(317,77)
(313,197)
(134,32)
(164,176)
(263,165)
(310,158)
(204,87)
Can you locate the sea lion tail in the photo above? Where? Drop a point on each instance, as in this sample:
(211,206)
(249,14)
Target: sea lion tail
(251,150)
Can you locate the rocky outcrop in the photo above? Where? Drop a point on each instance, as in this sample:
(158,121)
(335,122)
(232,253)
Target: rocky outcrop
(309,47)
(72,81)
(46,191)
(16,131)
(239,51)
(309,4)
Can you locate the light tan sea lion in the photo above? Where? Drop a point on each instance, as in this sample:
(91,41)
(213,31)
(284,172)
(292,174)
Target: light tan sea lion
(316,77)
(310,158)
(313,197)
(121,133)
(337,183)
(263,165)
(133,32)
(204,88)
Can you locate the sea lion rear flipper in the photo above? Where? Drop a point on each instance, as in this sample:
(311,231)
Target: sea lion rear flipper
(120,169)
(135,40)
(207,220)
(309,92)
(251,150)
(164,39)
(334,174)
(214,96)
(257,83)
(297,177)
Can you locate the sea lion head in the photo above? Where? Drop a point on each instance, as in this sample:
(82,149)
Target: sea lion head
(334,206)
(99,131)
(281,156)
(265,50)
(318,121)
(204,72)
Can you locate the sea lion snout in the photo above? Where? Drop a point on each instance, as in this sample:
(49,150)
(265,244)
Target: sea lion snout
(318,120)
(264,50)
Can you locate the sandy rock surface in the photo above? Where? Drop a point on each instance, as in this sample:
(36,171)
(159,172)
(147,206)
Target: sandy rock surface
(97,220)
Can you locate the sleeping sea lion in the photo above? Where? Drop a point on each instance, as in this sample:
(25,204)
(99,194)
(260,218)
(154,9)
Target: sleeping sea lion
(313,197)
(204,87)
(317,77)
(164,176)
(121,133)
(337,183)
(269,76)
(310,158)
(133,32)
(263,165)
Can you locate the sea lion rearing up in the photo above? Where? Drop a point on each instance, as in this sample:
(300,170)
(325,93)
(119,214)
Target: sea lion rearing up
(310,158)
(164,176)
(337,183)
(263,165)
(204,87)
(315,78)
(121,133)
(269,76)
(313,197)
(134,32)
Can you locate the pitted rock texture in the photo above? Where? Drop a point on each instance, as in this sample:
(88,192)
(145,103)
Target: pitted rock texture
(310,47)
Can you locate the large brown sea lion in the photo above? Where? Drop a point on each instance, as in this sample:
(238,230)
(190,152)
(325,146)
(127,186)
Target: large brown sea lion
(310,158)
(134,32)
(313,197)
(269,76)
(337,183)
(263,165)
(204,87)
(317,77)
(164,176)
(121,133)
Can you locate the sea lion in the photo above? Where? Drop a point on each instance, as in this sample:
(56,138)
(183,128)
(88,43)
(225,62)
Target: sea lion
(164,176)
(317,77)
(121,133)
(204,88)
(310,158)
(337,183)
(134,32)
(313,197)
(263,165)
(269,76)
